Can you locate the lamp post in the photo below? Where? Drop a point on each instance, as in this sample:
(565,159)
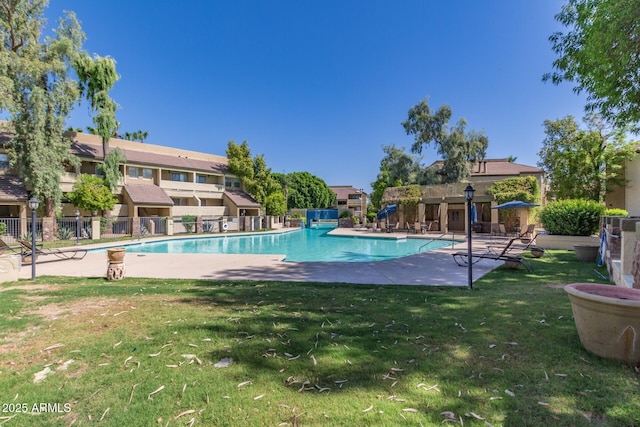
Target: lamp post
(468,195)
(77,227)
(33,205)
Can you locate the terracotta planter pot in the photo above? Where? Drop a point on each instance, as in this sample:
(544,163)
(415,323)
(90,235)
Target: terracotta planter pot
(512,264)
(588,253)
(607,319)
(116,255)
(537,253)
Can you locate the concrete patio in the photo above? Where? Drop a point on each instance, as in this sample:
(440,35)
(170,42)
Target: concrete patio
(433,268)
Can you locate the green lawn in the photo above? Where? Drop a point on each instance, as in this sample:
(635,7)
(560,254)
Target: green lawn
(143,352)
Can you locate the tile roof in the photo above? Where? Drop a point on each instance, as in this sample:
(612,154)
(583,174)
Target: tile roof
(177,161)
(12,189)
(343,191)
(147,194)
(497,167)
(240,198)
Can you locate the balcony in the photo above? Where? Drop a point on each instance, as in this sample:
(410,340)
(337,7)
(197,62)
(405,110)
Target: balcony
(192,187)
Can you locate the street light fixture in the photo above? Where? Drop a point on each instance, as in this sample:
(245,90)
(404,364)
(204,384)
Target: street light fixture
(33,205)
(77,227)
(468,195)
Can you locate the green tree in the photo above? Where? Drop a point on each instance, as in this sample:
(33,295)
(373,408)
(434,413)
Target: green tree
(398,168)
(382,182)
(91,193)
(97,76)
(138,135)
(307,191)
(523,188)
(239,160)
(457,147)
(583,163)
(38,90)
(275,204)
(403,168)
(111,168)
(600,53)
(256,177)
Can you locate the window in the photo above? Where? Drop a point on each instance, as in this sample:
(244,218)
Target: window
(179,201)
(147,173)
(232,182)
(98,170)
(179,176)
(201,179)
(133,172)
(4,161)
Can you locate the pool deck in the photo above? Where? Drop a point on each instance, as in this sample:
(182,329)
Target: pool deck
(432,268)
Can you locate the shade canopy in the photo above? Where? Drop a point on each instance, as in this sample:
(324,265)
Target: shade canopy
(515,204)
(386,211)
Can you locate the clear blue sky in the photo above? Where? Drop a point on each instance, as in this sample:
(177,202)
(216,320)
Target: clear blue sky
(321,86)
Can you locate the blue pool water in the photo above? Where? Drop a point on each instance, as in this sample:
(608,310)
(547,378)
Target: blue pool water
(306,245)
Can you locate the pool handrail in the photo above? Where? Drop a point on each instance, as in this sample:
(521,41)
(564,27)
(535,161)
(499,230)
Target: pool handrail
(434,239)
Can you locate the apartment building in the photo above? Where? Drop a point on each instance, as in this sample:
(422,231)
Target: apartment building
(443,207)
(353,200)
(156,181)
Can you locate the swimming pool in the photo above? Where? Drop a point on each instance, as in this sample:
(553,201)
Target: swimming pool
(305,245)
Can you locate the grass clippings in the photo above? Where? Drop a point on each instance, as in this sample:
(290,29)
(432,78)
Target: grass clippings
(144,352)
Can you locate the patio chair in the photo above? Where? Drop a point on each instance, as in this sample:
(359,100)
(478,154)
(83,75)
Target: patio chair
(71,253)
(528,232)
(498,230)
(417,226)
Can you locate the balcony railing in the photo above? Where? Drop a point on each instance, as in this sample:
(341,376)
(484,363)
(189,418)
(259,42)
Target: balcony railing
(191,186)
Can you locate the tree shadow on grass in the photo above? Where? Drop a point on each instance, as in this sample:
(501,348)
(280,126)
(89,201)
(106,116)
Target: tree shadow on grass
(507,349)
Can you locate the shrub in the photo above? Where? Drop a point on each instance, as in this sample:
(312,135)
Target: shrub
(189,222)
(615,212)
(65,233)
(3,228)
(572,217)
(344,214)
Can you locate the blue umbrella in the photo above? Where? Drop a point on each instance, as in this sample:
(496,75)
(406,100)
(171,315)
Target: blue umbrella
(514,204)
(386,211)
(474,213)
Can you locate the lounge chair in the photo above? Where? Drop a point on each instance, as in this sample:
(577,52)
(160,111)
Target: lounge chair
(518,248)
(461,258)
(70,253)
(4,247)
